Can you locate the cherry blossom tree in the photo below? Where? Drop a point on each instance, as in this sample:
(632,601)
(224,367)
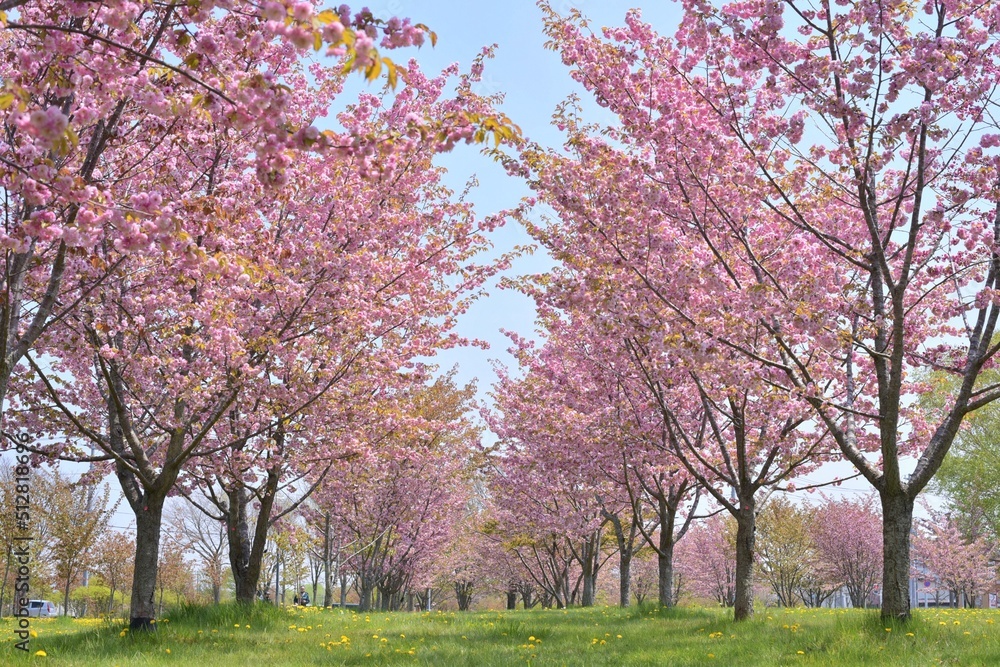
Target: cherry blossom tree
(114,556)
(558,464)
(841,206)
(965,567)
(263,296)
(98,97)
(707,559)
(396,505)
(849,539)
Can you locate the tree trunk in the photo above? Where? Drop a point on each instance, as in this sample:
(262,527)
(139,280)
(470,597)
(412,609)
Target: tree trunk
(216,593)
(343,589)
(463,595)
(897,521)
(327,563)
(587,597)
(626,547)
(245,555)
(625,578)
(147,550)
(590,564)
(69,580)
(745,537)
(277,579)
(365,594)
(511,600)
(665,550)
(3,582)
(665,577)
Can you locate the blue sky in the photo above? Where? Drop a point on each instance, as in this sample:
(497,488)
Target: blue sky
(534,81)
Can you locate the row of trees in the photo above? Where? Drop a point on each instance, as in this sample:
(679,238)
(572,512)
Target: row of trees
(206,292)
(759,261)
(362,553)
(791,222)
(72,544)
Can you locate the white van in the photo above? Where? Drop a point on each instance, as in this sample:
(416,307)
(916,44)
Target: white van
(42,608)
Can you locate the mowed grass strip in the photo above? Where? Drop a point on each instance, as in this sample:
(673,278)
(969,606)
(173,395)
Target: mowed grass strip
(263,635)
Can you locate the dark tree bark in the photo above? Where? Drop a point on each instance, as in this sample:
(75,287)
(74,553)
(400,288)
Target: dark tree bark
(746,528)
(246,554)
(463,595)
(897,519)
(327,562)
(148,521)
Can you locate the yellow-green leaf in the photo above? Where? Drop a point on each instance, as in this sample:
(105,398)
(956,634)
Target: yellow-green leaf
(391,68)
(6,100)
(327,16)
(374,69)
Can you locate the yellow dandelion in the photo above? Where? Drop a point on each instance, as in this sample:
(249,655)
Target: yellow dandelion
(41,654)
(168,650)
(33,633)
(888,629)
(618,636)
(531,639)
(909,634)
(711,655)
(801,652)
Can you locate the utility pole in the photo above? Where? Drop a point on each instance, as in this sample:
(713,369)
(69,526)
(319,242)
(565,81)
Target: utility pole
(90,508)
(277,575)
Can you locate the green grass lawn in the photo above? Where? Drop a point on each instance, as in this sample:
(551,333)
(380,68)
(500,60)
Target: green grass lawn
(223,636)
